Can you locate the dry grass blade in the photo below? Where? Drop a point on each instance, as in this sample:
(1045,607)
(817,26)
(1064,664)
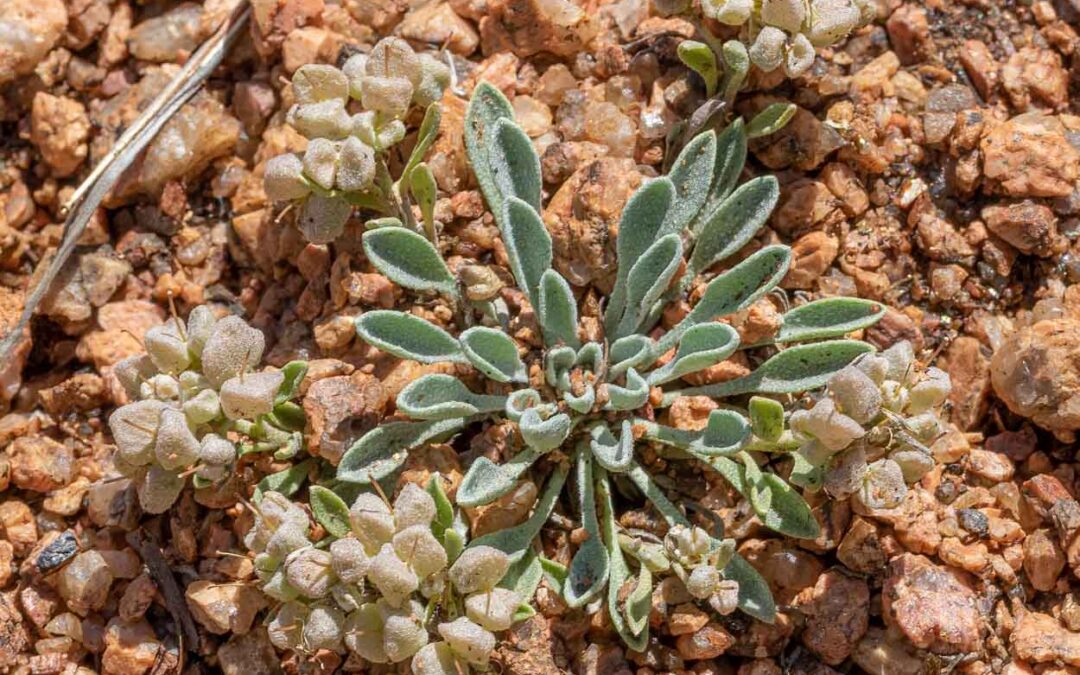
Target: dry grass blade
(90,193)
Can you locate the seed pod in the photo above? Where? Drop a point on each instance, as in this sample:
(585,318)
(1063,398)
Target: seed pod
(418,548)
(478,568)
(845,473)
(356,165)
(469,641)
(134,428)
(930,392)
(316,82)
(413,506)
(389,134)
(894,396)
(883,485)
(322,219)
(403,630)
(825,423)
(730,12)
(767,52)
(200,324)
(283,178)
(371,521)
(309,571)
(362,126)
(364,633)
(276,510)
(726,598)
(205,406)
(393,57)
(392,577)
(217,451)
(327,119)
(349,560)
(787,15)
(434,80)
(493,610)
(251,395)
(324,628)
(166,347)
(158,489)
(320,162)
(703,581)
(833,19)
(914,462)
(132,372)
(354,69)
(687,543)
(284,629)
(800,56)
(285,540)
(901,359)
(388,96)
(875,367)
(436,658)
(856,395)
(161,387)
(232,346)
(175,447)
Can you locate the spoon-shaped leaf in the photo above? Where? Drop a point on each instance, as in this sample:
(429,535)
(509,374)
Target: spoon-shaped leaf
(408,337)
(581,404)
(425,137)
(614,454)
(632,351)
(702,346)
(514,541)
(287,481)
(730,159)
(384,449)
(589,566)
(724,434)
(648,279)
(408,259)
(528,246)
(439,396)
(558,311)
(486,107)
(486,481)
(544,434)
(735,221)
(515,166)
(766,418)
(699,57)
(329,510)
(773,118)
(632,396)
(691,174)
(494,353)
(828,317)
(619,573)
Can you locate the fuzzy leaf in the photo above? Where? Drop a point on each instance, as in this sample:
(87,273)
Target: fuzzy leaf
(730,159)
(779,507)
(648,279)
(755,598)
(639,602)
(287,481)
(734,290)
(528,246)
(796,369)
(486,481)
(736,67)
(699,58)
(770,120)
(294,372)
(384,449)
(444,509)
(691,174)
(423,188)
(724,434)
(408,260)
(632,351)
(494,353)
(828,317)
(544,434)
(513,541)
(639,226)
(330,511)
(735,222)
(523,577)
(581,404)
(644,482)
(632,396)
(408,337)
(614,454)
(766,418)
(554,574)
(519,401)
(558,311)
(702,346)
(425,137)
(514,163)
(438,397)
(486,107)
(618,574)
(589,566)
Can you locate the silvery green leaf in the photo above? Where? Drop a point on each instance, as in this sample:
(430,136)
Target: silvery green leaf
(528,246)
(590,356)
(554,574)
(519,401)
(699,58)
(691,174)
(632,351)
(486,107)
(632,396)
(828,317)
(755,598)
(779,507)
(486,481)
(513,541)
(514,163)
(557,310)
(806,475)
(423,188)
(294,372)
(287,481)
(614,454)
(589,566)
(408,337)
(773,118)
(544,434)
(330,511)
(494,353)
(639,226)
(736,67)
(734,222)
(523,577)
(648,279)
(444,509)
(766,418)
(386,221)
(734,290)
(438,396)
(581,404)
(618,574)
(639,602)
(644,482)
(796,369)
(557,364)
(408,260)
(384,449)
(702,346)
(730,159)
(724,434)
(425,137)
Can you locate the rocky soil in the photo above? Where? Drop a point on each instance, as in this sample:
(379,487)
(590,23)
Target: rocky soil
(933,165)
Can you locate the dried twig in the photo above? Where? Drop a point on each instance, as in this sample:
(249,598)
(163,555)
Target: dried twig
(90,193)
(158,567)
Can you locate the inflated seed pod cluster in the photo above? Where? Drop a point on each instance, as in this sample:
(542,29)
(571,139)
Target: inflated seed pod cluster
(194,386)
(369,592)
(342,158)
(697,560)
(785,33)
(869,433)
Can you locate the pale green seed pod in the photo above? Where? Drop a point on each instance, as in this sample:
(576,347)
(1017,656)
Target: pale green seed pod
(309,570)
(326,119)
(349,560)
(394,579)
(469,641)
(703,581)
(914,462)
(832,20)
(372,522)
(284,629)
(175,447)
(436,658)
(356,166)
(364,633)
(320,162)
(161,387)
(930,392)
(419,549)
(787,15)
(323,219)
(134,428)
(856,395)
(283,178)
(200,324)
(883,485)
(393,57)
(433,82)
(845,473)
(251,395)
(232,347)
(316,82)
(767,52)
(204,407)
(216,451)
(901,359)
(390,134)
(286,539)
(800,56)
(388,96)
(825,423)
(167,348)
(478,568)
(730,12)
(354,69)
(493,610)
(687,543)
(132,372)
(324,628)
(404,633)
(413,506)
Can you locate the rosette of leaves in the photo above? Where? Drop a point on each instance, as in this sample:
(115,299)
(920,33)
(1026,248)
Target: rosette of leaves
(595,400)
(772,34)
(194,394)
(346,162)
